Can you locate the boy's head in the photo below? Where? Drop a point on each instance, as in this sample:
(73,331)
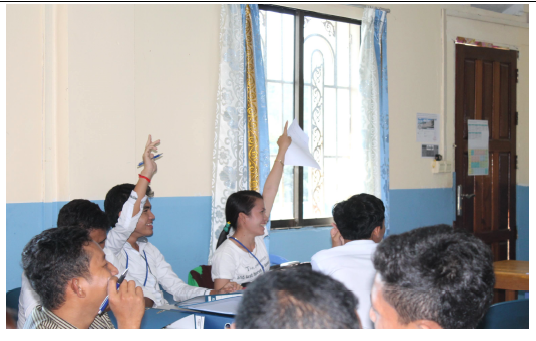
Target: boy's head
(297,299)
(362,216)
(64,265)
(116,198)
(87,215)
(432,277)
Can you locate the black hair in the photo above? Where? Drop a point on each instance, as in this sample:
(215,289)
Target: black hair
(436,273)
(54,257)
(297,298)
(116,198)
(358,216)
(238,202)
(83,213)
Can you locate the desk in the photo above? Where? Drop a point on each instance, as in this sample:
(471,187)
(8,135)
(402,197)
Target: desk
(511,275)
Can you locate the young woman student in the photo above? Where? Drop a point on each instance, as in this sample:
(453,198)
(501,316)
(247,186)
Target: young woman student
(241,254)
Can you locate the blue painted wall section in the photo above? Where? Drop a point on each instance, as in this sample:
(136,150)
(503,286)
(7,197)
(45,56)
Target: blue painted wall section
(522,214)
(182,227)
(411,208)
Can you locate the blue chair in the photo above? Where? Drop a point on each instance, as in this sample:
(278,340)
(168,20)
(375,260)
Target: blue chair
(276,260)
(12,301)
(507,315)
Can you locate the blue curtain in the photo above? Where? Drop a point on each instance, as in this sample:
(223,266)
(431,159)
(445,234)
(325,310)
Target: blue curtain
(380,46)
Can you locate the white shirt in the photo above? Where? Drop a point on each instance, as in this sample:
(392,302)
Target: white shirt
(232,262)
(158,271)
(352,265)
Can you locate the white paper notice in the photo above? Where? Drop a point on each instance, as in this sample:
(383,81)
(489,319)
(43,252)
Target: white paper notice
(478,147)
(298,153)
(478,134)
(428,128)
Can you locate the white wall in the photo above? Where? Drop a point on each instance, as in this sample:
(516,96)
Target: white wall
(87,83)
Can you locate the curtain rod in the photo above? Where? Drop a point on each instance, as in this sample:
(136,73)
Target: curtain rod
(368,6)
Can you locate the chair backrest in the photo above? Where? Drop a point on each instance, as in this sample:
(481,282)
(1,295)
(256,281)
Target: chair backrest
(201,277)
(12,299)
(507,315)
(275,260)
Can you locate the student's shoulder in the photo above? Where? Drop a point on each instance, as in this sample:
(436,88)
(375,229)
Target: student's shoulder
(226,249)
(326,254)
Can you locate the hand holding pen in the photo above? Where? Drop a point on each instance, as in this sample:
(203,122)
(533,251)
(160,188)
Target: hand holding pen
(126,302)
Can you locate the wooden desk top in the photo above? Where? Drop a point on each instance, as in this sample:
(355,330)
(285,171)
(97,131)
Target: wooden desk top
(511,274)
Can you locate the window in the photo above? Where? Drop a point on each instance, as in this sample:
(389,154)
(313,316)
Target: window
(311,72)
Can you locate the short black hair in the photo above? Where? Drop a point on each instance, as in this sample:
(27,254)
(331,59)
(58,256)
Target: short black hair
(297,299)
(54,257)
(436,273)
(358,216)
(116,198)
(83,213)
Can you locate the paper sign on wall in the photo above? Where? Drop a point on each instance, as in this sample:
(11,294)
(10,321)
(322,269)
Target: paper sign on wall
(428,128)
(478,147)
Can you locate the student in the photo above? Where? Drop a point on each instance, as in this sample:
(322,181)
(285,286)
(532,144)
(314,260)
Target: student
(78,212)
(72,278)
(297,299)
(129,211)
(359,224)
(432,277)
(241,257)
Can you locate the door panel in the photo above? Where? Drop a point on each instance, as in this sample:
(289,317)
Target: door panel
(486,89)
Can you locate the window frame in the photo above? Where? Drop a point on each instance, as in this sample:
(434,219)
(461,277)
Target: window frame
(299,15)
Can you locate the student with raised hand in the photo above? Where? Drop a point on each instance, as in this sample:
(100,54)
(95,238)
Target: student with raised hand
(79,212)
(129,211)
(359,225)
(241,254)
(71,276)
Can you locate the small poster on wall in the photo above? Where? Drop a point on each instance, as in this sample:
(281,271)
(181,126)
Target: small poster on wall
(428,128)
(478,147)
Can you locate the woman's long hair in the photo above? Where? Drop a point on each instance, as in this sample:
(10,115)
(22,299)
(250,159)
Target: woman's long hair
(239,202)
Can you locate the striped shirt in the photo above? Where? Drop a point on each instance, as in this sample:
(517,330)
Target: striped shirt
(42,318)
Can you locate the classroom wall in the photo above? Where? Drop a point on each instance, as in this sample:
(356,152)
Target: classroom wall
(87,83)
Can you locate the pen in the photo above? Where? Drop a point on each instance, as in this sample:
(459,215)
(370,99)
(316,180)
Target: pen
(154,157)
(105,302)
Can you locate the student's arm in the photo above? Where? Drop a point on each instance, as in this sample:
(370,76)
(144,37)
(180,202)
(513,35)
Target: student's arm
(126,303)
(149,168)
(132,208)
(224,267)
(274,178)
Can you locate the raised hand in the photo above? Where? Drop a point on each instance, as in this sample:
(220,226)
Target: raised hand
(126,303)
(149,164)
(284,140)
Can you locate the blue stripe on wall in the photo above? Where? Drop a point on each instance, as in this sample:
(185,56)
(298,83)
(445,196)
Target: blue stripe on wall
(522,215)
(181,231)
(182,227)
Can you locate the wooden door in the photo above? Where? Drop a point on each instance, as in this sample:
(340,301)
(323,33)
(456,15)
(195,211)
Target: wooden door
(486,90)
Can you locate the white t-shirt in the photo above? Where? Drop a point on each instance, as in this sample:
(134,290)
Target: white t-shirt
(351,264)
(232,262)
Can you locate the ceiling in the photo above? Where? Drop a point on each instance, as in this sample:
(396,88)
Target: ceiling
(514,9)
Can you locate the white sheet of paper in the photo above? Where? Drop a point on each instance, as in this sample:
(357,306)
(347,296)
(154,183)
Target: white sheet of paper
(298,153)
(428,128)
(478,134)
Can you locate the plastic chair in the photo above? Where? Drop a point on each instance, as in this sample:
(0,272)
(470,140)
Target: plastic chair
(201,277)
(507,315)
(276,260)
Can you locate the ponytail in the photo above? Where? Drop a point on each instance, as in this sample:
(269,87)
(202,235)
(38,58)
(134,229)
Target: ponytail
(223,235)
(238,202)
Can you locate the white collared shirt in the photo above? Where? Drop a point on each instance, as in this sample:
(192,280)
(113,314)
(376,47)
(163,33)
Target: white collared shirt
(158,272)
(352,265)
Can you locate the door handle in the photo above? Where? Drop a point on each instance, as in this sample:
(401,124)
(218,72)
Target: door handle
(459,197)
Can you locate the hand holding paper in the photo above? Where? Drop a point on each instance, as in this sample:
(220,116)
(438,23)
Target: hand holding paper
(298,153)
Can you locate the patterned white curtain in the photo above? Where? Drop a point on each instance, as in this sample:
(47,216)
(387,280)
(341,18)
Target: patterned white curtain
(229,161)
(370,105)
